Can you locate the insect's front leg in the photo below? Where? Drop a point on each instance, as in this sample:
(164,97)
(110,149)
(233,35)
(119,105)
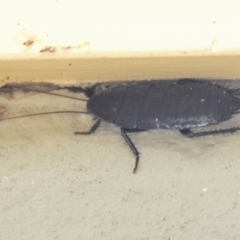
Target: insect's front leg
(92,130)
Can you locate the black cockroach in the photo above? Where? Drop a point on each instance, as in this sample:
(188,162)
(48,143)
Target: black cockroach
(145,105)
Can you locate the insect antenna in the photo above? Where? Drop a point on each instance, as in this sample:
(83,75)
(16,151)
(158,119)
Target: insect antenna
(54,94)
(46,113)
(43,113)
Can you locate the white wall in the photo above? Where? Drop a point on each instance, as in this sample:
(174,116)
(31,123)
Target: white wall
(69,28)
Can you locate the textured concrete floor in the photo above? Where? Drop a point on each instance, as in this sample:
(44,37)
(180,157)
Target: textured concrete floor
(55,185)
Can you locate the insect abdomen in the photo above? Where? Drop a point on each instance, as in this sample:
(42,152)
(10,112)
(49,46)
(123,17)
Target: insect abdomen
(189,105)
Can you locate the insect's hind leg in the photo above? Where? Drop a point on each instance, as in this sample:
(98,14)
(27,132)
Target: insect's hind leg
(188,133)
(129,142)
(92,130)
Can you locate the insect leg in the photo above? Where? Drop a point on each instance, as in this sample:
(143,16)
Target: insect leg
(188,133)
(92,130)
(129,142)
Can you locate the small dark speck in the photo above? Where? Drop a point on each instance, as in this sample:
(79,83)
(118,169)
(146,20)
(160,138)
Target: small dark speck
(69,64)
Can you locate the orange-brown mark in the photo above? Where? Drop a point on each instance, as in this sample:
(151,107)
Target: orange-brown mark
(48,49)
(28,43)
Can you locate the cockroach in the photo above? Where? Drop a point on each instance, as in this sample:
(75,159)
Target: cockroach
(144,105)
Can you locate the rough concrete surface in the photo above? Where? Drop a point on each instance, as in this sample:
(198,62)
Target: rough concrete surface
(55,185)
